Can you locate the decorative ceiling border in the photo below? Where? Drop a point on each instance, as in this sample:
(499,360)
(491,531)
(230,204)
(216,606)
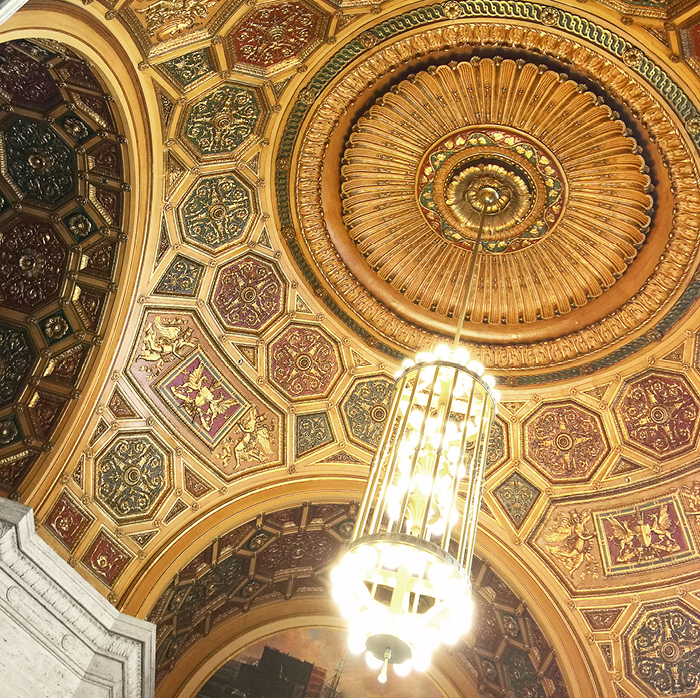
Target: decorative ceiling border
(551,17)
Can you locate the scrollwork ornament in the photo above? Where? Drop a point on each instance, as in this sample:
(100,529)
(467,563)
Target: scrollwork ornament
(165,20)
(131,477)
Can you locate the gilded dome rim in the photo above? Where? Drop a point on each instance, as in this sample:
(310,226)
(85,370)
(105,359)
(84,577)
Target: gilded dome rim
(587,342)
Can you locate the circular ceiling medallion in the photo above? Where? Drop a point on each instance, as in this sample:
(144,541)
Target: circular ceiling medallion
(528,179)
(576,256)
(556,238)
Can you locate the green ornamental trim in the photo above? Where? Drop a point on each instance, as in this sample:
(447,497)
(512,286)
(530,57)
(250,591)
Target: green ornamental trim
(568,22)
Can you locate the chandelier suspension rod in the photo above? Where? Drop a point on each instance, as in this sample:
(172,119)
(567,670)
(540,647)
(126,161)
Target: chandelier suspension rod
(486,196)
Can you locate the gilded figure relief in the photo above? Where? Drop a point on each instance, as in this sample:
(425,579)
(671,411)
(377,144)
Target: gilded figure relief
(165,340)
(635,537)
(180,371)
(570,542)
(167,18)
(644,535)
(691,497)
(254,445)
(202,397)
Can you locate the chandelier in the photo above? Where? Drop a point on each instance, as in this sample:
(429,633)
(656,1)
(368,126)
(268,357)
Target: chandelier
(404,583)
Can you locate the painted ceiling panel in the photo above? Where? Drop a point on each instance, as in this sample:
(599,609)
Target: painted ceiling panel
(306,225)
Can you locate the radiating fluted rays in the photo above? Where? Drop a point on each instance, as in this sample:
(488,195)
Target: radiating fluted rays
(604,195)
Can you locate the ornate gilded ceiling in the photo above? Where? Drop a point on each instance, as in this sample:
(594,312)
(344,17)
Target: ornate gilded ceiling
(575,249)
(195,366)
(559,159)
(63,199)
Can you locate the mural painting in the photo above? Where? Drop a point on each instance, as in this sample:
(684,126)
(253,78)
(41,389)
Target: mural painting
(309,663)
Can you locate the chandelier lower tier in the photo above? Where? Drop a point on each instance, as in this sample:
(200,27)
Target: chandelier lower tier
(404,582)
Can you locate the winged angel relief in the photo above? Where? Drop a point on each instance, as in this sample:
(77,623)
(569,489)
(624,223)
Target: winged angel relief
(165,340)
(645,536)
(254,445)
(570,542)
(199,399)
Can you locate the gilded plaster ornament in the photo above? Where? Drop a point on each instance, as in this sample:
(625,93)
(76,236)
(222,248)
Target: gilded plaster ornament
(570,542)
(660,649)
(636,539)
(388,291)
(559,241)
(253,444)
(133,478)
(168,18)
(691,497)
(202,397)
(164,340)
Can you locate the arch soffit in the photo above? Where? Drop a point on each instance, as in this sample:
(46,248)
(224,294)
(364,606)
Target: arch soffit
(114,62)
(224,643)
(544,601)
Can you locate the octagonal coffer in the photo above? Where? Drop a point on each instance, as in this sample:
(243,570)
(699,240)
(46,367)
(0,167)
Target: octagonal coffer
(224,121)
(134,476)
(565,440)
(218,211)
(657,413)
(305,362)
(249,294)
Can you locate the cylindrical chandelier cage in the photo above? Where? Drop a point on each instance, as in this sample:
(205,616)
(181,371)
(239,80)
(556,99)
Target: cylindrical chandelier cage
(404,582)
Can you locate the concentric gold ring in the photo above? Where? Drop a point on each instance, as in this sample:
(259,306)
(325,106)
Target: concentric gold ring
(556,245)
(530,180)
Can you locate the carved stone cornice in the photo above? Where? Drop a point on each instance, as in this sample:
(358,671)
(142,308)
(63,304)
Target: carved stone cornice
(99,647)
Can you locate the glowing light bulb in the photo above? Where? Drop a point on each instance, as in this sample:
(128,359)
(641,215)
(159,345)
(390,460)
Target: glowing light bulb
(372,661)
(405,450)
(391,558)
(421,661)
(403,669)
(476,367)
(416,419)
(442,352)
(453,454)
(407,363)
(438,527)
(461,356)
(393,494)
(393,511)
(489,381)
(356,644)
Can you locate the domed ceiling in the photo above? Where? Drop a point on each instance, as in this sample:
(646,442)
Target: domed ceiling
(63,200)
(223,225)
(578,261)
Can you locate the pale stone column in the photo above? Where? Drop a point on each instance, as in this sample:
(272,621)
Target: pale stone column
(58,636)
(9,7)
